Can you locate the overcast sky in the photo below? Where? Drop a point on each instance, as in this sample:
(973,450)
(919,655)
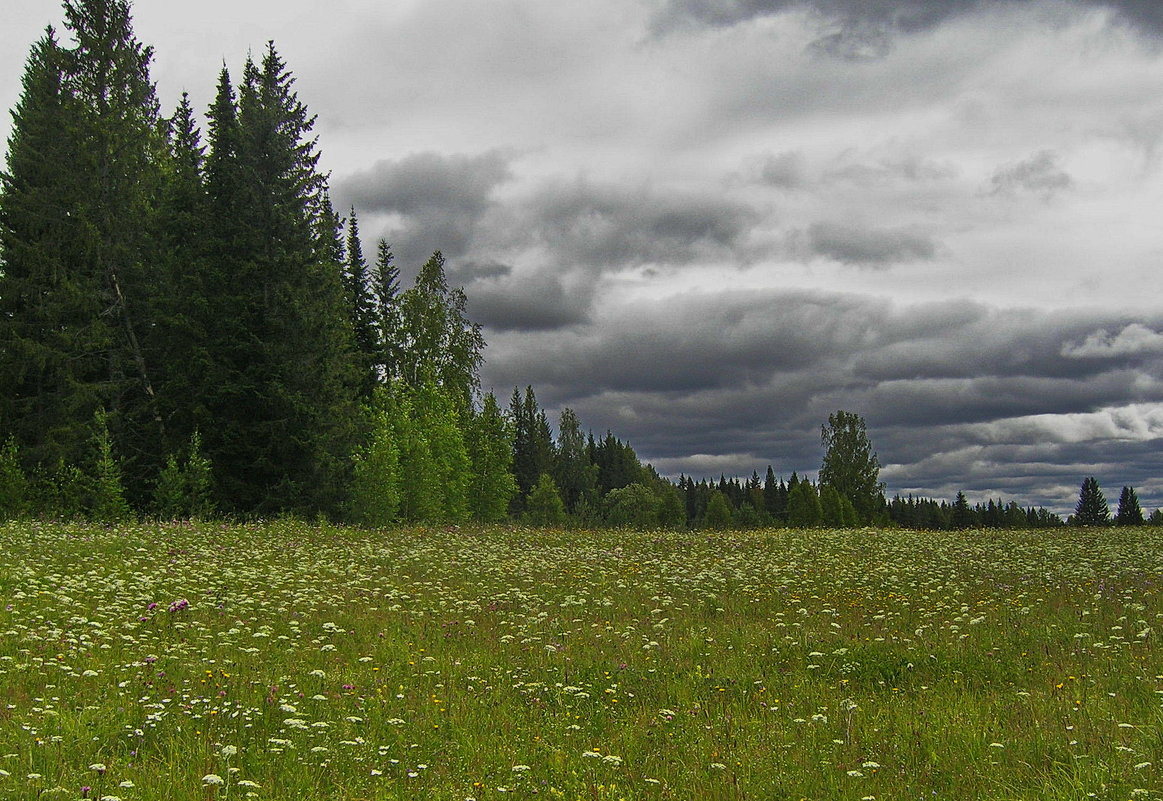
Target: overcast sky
(707,224)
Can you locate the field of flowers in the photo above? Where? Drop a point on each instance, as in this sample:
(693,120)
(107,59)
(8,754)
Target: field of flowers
(294,661)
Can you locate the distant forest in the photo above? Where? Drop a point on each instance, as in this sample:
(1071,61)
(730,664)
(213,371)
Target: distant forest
(188,328)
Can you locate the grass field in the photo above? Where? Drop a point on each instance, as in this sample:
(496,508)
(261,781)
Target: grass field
(289,661)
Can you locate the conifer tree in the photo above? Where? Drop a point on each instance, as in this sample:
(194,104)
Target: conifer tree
(281,389)
(386,291)
(803,506)
(76,209)
(361,309)
(1129,512)
(14,489)
(107,504)
(1092,509)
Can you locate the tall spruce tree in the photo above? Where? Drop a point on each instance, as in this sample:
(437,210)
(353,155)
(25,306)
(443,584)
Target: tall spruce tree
(361,309)
(1091,509)
(76,213)
(50,357)
(386,291)
(281,391)
(178,343)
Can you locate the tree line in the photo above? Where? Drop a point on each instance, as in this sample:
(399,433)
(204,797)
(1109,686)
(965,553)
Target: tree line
(188,328)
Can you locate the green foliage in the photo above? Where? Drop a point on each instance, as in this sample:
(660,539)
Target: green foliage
(14,488)
(1092,509)
(544,506)
(671,510)
(850,465)
(60,493)
(107,501)
(437,341)
(632,506)
(489,441)
(575,475)
(803,506)
(532,444)
(1129,512)
(184,489)
(440,423)
(718,514)
(375,491)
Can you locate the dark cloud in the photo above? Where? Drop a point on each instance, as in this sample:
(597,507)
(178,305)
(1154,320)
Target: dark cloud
(865,26)
(432,201)
(786,170)
(1039,174)
(867,247)
(609,226)
(958,396)
(540,302)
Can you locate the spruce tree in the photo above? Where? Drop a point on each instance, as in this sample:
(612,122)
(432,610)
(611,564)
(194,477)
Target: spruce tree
(803,506)
(281,389)
(962,515)
(52,333)
(107,502)
(361,308)
(14,489)
(386,292)
(718,513)
(1092,509)
(1129,512)
(76,213)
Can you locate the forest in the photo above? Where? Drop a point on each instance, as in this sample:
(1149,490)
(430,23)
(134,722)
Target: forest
(189,328)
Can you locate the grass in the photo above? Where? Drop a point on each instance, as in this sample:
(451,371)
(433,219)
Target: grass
(289,661)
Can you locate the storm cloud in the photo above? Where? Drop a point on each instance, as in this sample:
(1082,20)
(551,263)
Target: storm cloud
(434,202)
(867,18)
(867,247)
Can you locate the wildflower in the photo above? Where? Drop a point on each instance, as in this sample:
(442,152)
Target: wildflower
(229,750)
(99,767)
(610,759)
(212,779)
(520,768)
(718,766)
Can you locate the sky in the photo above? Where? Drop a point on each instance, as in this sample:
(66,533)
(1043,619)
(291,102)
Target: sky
(707,224)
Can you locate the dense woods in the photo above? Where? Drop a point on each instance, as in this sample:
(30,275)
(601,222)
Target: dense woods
(189,328)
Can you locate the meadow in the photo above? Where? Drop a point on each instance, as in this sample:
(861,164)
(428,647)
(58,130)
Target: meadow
(294,661)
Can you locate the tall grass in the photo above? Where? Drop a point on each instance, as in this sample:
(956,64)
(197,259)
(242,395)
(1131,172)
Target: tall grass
(287,661)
